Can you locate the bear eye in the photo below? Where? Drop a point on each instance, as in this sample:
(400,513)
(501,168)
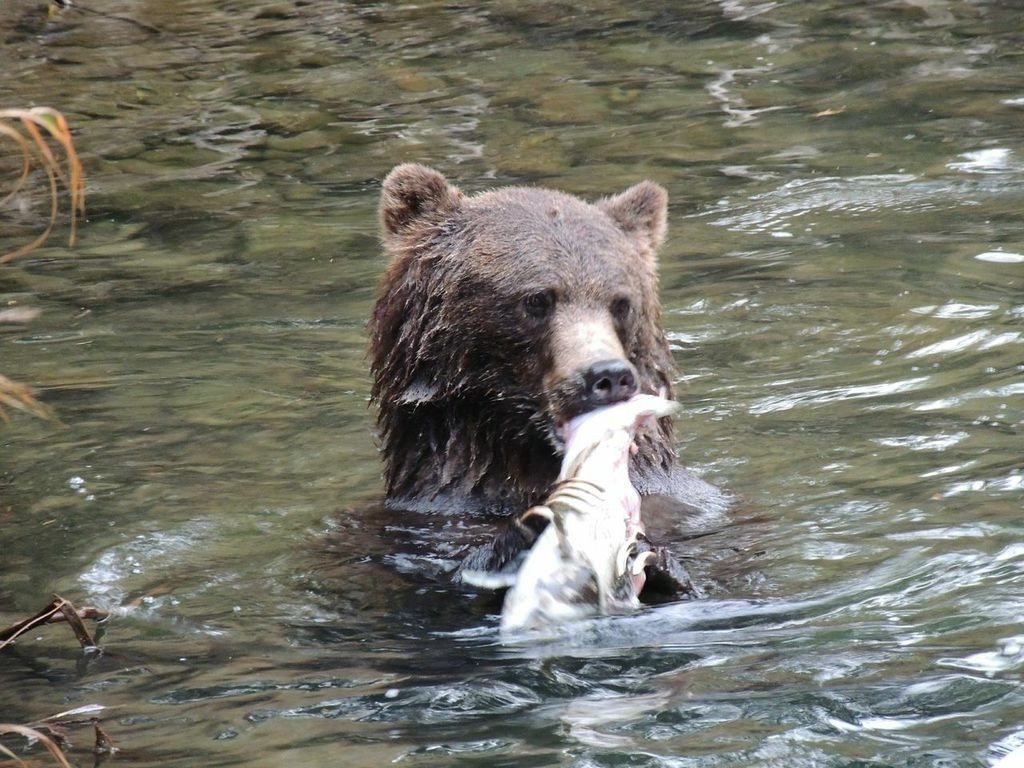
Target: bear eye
(620,308)
(539,305)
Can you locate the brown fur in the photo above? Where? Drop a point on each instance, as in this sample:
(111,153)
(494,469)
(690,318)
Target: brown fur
(492,307)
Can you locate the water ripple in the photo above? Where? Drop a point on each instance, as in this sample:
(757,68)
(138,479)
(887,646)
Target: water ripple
(957,310)
(980,340)
(855,195)
(835,394)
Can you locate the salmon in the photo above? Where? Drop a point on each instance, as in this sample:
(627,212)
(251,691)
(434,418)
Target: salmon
(587,560)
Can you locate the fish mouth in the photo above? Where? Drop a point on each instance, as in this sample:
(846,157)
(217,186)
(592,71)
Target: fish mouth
(635,412)
(571,398)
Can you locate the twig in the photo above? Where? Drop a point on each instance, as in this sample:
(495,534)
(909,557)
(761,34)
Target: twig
(58,610)
(104,744)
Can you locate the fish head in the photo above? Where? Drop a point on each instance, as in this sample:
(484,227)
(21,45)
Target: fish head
(600,440)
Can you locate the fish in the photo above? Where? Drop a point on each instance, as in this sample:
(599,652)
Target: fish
(590,555)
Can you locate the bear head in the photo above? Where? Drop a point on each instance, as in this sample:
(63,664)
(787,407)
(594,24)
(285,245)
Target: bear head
(501,316)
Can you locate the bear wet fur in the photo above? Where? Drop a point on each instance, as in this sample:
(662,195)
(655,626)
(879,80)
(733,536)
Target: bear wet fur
(500,316)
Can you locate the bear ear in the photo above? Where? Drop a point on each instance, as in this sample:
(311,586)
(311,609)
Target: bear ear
(411,193)
(640,212)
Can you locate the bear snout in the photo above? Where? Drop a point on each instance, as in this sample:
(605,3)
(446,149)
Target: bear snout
(609,381)
(595,384)
(590,368)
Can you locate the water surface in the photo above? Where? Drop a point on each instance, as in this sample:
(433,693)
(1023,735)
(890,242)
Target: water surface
(843,286)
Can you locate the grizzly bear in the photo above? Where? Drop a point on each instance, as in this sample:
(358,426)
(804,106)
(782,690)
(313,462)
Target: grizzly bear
(501,316)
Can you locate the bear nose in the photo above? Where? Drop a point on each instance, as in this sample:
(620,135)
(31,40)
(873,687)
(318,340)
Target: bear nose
(609,381)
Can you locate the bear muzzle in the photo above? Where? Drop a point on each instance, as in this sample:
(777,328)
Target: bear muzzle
(596,385)
(590,369)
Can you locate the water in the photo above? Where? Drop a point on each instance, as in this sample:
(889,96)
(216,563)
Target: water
(843,285)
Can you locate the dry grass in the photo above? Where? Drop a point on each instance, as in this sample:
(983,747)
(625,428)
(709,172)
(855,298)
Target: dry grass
(34,130)
(20,397)
(32,735)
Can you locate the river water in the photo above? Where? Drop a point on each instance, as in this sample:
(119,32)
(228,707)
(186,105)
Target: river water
(843,285)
